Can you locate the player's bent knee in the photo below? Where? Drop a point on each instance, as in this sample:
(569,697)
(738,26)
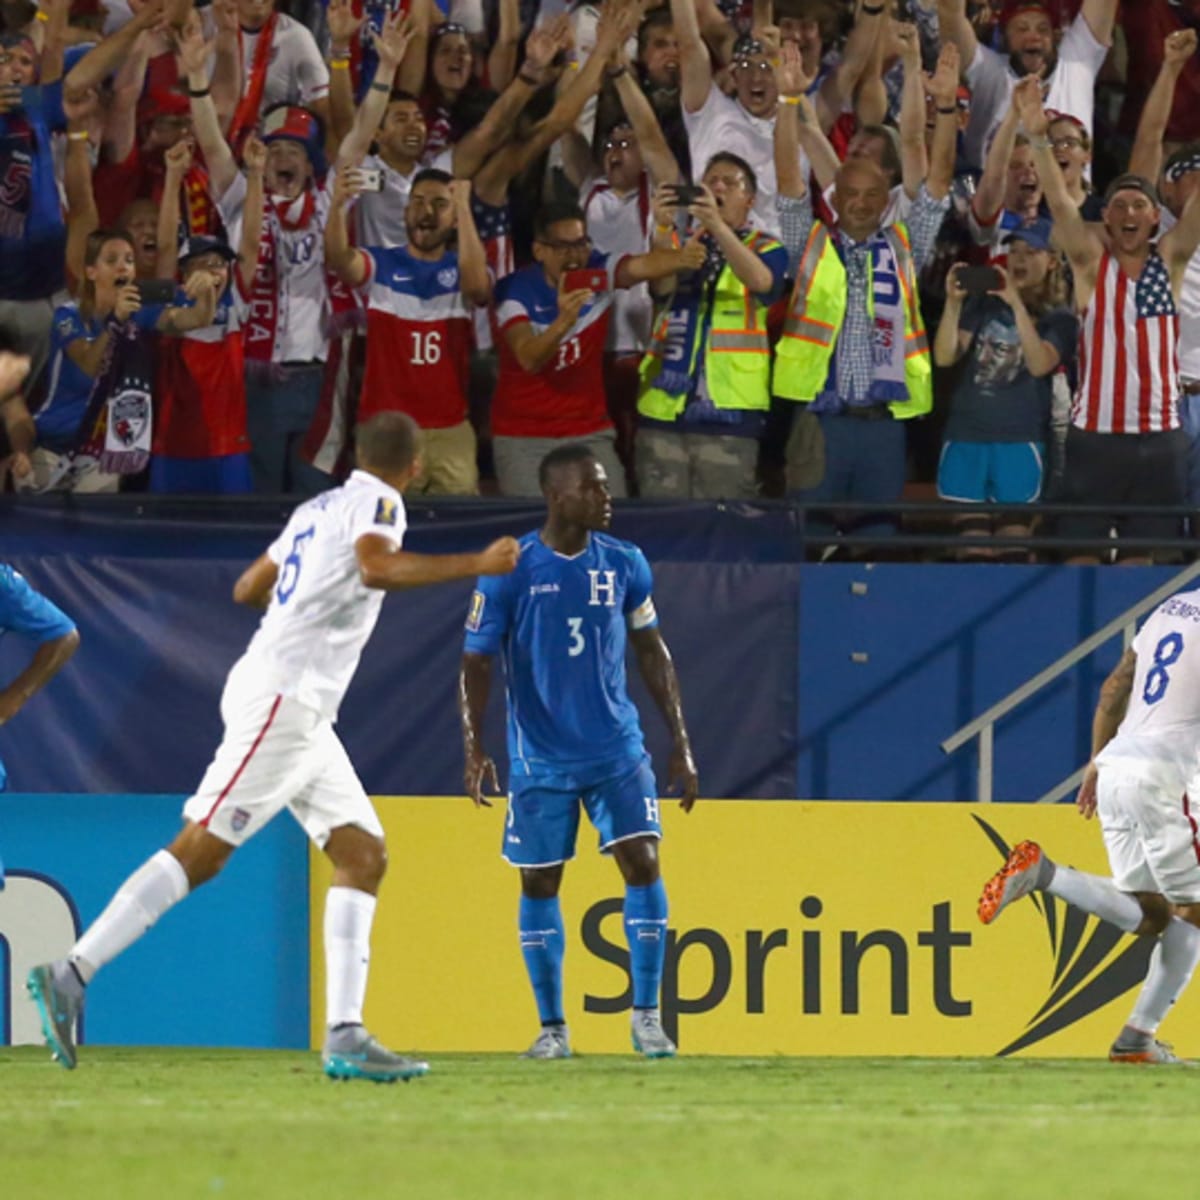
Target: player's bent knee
(1156,913)
(200,854)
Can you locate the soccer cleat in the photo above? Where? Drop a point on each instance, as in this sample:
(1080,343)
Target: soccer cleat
(1151,1052)
(58,1010)
(1017,878)
(352,1053)
(550,1043)
(648,1035)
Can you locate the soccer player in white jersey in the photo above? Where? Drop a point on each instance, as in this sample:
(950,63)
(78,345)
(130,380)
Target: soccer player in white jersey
(1145,753)
(321,583)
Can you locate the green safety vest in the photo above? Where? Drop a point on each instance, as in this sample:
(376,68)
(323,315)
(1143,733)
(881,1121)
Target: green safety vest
(737,353)
(815,314)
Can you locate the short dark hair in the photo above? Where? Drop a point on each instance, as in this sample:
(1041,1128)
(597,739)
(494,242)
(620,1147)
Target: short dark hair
(727,156)
(891,147)
(551,214)
(659,18)
(432,175)
(389,441)
(561,456)
(399,94)
(824,13)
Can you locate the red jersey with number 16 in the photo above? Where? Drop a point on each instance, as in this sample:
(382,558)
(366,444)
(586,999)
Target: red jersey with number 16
(566,397)
(418,339)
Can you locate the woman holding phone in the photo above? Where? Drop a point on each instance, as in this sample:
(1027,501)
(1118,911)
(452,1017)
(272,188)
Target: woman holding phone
(95,425)
(1012,329)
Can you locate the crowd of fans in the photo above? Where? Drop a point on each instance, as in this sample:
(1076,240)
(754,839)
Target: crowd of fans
(739,247)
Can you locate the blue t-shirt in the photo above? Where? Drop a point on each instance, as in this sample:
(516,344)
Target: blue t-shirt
(33,235)
(561,626)
(70,388)
(30,614)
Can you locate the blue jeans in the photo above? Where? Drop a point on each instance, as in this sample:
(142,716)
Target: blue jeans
(278,415)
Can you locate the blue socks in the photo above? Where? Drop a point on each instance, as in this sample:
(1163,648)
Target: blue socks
(646,929)
(540,924)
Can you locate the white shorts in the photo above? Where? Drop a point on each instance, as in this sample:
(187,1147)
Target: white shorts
(277,753)
(1151,835)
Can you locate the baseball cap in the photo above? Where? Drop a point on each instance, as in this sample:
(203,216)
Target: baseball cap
(296,124)
(203,244)
(1035,233)
(1014,8)
(1131,183)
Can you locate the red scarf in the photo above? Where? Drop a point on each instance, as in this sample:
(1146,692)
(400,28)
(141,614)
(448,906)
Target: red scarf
(245,116)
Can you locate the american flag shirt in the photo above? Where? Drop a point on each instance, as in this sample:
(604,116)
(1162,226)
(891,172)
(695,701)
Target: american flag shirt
(1128,352)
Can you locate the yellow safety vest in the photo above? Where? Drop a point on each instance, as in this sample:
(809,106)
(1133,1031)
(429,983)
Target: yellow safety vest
(737,353)
(815,314)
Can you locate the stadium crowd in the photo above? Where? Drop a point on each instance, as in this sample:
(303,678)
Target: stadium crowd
(737,247)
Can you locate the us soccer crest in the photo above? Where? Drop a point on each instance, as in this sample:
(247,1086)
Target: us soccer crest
(448,277)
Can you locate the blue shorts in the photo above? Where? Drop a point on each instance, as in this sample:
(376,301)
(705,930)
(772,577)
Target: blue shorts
(1003,472)
(543,821)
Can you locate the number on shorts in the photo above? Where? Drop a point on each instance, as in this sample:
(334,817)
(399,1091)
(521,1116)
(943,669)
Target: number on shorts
(290,575)
(1166,653)
(576,644)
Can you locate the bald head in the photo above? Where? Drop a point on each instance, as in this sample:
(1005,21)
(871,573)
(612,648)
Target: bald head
(860,196)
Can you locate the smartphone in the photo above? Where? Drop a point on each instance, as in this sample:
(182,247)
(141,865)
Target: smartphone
(978,281)
(593,279)
(372,179)
(686,193)
(155,291)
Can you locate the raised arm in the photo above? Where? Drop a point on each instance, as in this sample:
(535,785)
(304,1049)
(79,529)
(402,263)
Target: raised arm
(474,280)
(1080,245)
(658,673)
(1180,243)
(914,162)
(1147,156)
(55,43)
(178,161)
(104,58)
(343,25)
(120,118)
(193,55)
(656,153)
(989,193)
(502,58)
(254,154)
(391,43)
(227,74)
(871,98)
(949,342)
(695,66)
(83,217)
(1100,15)
(954,26)
(411,75)
(838,87)
(349,264)
(753,273)
(942,86)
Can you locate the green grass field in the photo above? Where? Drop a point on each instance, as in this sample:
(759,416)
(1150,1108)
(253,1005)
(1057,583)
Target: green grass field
(265,1125)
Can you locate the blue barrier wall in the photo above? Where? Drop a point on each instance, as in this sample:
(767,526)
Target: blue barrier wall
(821,681)
(228,967)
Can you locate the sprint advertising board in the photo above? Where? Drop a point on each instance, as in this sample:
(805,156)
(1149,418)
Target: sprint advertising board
(795,928)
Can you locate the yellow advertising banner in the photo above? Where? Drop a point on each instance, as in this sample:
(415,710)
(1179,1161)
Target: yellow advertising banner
(796,928)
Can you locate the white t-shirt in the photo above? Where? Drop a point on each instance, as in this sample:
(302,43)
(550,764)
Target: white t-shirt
(1160,735)
(1069,88)
(296,73)
(723,124)
(1189,308)
(321,614)
(300,334)
(380,215)
(620,225)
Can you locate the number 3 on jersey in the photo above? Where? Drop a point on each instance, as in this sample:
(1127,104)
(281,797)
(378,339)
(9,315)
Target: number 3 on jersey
(575,629)
(289,576)
(1166,653)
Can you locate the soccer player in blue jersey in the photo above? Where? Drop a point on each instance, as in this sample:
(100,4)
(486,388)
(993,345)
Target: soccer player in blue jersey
(561,622)
(28,613)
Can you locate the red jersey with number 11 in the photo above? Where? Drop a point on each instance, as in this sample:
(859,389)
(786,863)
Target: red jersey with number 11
(418,339)
(566,397)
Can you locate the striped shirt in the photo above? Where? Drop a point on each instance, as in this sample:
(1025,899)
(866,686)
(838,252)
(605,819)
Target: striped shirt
(1128,352)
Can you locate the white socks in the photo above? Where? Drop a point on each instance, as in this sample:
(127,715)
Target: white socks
(1171,966)
(1097,896)
(348,917)
(155,886)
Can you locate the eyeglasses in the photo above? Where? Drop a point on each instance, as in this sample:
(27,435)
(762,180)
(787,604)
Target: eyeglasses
(1066,143)
(583,243)
(744,64)
(618,144)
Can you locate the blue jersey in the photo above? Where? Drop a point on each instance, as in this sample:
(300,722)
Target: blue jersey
(561,625)
(24,611)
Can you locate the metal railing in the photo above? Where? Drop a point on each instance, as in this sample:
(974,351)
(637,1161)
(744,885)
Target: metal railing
(983,726)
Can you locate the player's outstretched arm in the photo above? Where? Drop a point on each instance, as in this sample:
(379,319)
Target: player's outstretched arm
(658,672)
(382,565)
(48,659)
(254,586)
(474,687)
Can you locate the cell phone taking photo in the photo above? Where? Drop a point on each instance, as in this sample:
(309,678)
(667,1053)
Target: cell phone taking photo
(155,291)
(371,178)
(591,279)
(978,281)
(686,193)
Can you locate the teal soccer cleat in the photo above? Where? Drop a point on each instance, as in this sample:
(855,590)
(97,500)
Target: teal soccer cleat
(649,1037)
(59,1009)
(352,1053)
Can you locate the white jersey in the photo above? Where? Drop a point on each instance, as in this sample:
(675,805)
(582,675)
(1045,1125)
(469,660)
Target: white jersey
(1160,735)
(620,225)
(296,73)
(321,614)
